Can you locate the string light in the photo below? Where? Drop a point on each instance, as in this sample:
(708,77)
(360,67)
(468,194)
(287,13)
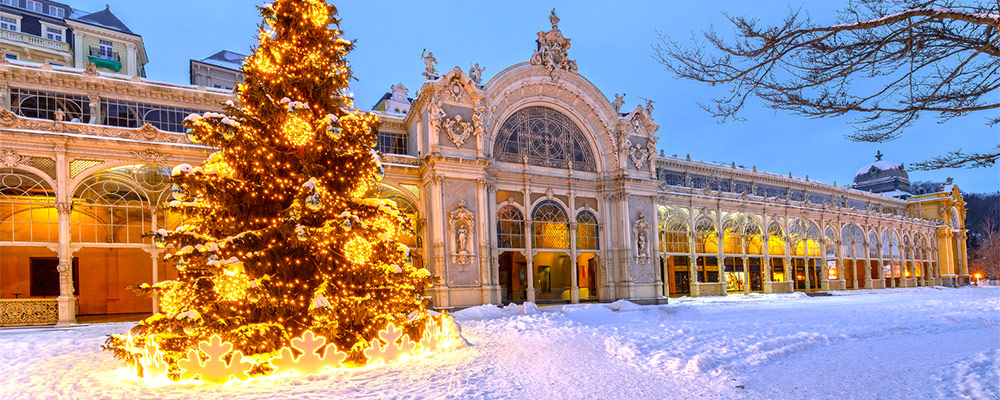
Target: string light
(279,234)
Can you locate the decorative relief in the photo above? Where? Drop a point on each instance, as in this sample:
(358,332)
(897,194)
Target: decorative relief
(458,131)
(476,73)
(640,235)
(10,159)
(461,226)
(396,159)
(147,132)
(478,121)
(23,312)
(63,207)
(640,156)
(552,49)
(149,155)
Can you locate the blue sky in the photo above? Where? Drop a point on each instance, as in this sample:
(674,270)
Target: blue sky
(611,43)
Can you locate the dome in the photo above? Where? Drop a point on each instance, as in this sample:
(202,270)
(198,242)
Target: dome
(883,177)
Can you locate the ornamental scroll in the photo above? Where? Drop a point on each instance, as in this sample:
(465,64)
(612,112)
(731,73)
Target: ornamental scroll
(461,227)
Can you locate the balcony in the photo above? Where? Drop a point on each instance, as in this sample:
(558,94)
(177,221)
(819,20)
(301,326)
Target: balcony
(34,41)
(105,58)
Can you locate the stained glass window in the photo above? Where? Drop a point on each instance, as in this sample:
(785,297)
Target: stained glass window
(510,228)
(546,138)
(586,231)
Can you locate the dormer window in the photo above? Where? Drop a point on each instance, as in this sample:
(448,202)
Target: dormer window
(54,34)
(8,24)
(57,12)
(32,5)
(12,3)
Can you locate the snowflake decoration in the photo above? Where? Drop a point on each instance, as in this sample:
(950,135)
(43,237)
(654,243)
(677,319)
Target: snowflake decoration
(392,350)
(312,360)
(214,369)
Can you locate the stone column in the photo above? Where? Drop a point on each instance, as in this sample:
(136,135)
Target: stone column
(824,279)
(661,280)
(574,296)
(529,255)
(692,263)
(962,253)
(132,69)
(721,239)
(436,214)
(66,300)
(482,200)
(868,264)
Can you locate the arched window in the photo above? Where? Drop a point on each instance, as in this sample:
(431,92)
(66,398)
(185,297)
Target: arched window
(406,206)
(872,245)
(546,138)
(27,212)
(674,232)
(741,233)
(551,226)
(853,239)
(113,206)
(804,235)
(831,243)
(894,242)
(586,231)
(510,228)
(705,239)
(775,239)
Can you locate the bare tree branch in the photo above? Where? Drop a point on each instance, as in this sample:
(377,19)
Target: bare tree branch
(886,62)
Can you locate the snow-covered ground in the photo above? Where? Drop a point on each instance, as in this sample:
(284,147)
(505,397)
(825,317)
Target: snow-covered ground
(888,344)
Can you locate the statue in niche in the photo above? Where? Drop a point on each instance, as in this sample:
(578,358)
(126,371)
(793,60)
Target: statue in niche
(640,234)
(429,62)
(476,73)
(619,102)
(461,226)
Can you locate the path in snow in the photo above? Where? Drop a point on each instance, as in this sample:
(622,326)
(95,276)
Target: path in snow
(899,343)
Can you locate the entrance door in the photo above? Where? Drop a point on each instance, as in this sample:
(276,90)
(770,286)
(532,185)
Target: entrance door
(756,276)
(800,273)
(736,278)
(513,279)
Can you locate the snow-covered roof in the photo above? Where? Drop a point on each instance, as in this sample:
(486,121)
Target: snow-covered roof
(225,59)
(881,165)
(104,18)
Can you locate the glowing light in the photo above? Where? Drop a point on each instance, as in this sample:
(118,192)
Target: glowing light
(297,130)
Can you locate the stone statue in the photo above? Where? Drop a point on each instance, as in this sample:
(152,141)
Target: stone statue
(429,62)
(640,233)
(649,106)
(435,113)
(554,20)
(463,240)
(60,115)
(476,73)
(643,241)
(619,102)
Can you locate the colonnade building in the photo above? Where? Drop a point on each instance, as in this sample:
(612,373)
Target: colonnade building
(531,186)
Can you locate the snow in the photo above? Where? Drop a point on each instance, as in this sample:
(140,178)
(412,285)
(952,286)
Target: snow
(881,165)
(888,344)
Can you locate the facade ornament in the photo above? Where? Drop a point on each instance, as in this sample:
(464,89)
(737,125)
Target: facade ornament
(91,69)
(636,122)
(640,156)
(149,132)
(435,114)
(640,235)
(149,155)
(7,117)
(458,131)
(549,194)
(59,115)
(461,225)
(649,105)
(429,62)
(63,207)
(478,121)
(552,50)
(619,102)
(10,159)
(476,73)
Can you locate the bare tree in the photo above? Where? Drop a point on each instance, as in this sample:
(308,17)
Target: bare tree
(888,62)
(985,258)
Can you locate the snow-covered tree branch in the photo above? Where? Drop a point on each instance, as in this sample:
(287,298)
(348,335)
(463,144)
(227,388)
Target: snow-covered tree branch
(886,62)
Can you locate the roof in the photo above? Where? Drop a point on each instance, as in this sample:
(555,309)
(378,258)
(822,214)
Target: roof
(104,18)
(225,59)
(881,165)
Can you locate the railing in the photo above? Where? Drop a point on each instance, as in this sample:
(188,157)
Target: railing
(34,40)
(103,52)
(23,312)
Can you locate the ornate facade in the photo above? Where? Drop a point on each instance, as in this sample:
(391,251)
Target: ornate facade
(531,186)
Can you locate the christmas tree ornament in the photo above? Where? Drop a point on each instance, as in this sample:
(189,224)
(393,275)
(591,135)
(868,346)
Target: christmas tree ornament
(177,193)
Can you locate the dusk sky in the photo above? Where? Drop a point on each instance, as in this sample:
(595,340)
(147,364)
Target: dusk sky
(612,46)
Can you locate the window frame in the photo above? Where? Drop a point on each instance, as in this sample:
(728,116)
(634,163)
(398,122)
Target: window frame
(11,20)
(60,14)
(40,6)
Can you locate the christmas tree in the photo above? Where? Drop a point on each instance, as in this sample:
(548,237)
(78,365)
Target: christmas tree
(277,236)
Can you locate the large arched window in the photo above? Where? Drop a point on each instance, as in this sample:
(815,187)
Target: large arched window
(775,239)
(114,206)
(853,240)
(830,237)
(674,232)
(551,226)
(705,239)
(872,245)
(27,212)
(741,234)
(510,228)
(804,235)
(586,231)
(546,138)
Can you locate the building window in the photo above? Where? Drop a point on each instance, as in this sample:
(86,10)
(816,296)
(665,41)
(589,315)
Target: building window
(43,105)
(106,49)
(392,143)
(54,34)
(129,114)
(8,23)
(510,228)
(45,276)
(586,231)
(56,11)
(11,56)
(551,228)
(544,137)
(32,5)
(672,178)
(9,2)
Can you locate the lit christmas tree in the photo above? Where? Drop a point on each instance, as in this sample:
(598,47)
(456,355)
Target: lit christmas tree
(277,237)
